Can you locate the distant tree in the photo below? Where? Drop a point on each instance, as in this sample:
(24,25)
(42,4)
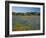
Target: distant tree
(19,13)
(38,13)
(13,13)
(28,13)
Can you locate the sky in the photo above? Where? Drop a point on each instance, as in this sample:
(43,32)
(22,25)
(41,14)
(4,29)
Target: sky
(25,9)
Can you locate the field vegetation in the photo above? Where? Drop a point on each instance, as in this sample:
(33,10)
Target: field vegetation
(17,26)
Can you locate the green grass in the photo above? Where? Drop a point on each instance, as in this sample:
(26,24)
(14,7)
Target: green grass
(21,27)
(16,26)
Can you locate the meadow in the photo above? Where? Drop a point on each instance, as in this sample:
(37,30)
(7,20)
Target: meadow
(25,21)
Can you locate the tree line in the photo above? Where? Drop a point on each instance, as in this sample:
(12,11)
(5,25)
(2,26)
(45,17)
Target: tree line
(25,14)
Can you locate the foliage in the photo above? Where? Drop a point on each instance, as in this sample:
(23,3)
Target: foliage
(26,14)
